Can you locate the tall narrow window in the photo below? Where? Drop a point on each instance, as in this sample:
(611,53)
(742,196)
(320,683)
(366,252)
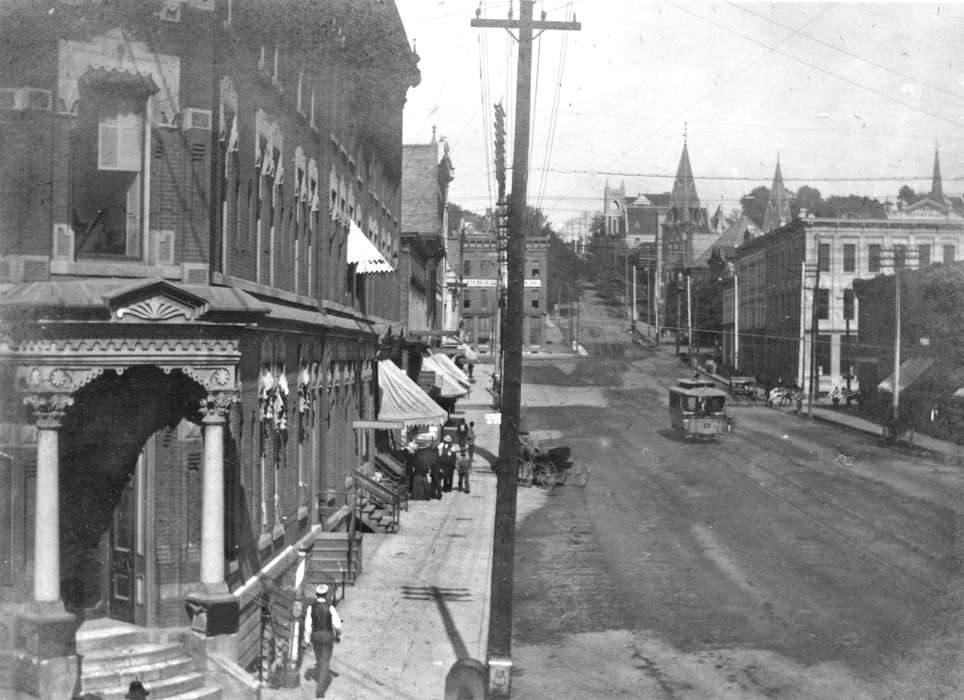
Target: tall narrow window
(849,257)
(923,255)
(823,303)
(949,253)
(873,257)
(900,256)
(823,257)
(848,305)
(107,178)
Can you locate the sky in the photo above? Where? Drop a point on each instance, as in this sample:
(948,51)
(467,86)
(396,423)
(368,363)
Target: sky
(852,97)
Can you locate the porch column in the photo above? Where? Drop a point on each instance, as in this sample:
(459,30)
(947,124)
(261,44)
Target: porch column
(48,410)
(45,632)
(214,409)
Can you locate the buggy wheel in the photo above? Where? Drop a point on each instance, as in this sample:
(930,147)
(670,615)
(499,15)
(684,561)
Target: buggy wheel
(548,476)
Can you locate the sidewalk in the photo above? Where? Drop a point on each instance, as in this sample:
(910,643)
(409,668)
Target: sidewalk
(422,600)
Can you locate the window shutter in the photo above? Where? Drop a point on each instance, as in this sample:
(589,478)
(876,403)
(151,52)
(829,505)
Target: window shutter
(120,141)
(163,247)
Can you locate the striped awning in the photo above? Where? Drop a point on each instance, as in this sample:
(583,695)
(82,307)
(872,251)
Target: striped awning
(363,254)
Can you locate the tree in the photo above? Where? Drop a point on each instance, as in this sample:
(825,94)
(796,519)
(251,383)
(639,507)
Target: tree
(907,195)
(755,204)
(854,206)
(808,198)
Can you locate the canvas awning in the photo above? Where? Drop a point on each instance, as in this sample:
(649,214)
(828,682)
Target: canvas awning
(403,401)
(448,384)
(452,368)
(363,253)
(910,371)
(449,373)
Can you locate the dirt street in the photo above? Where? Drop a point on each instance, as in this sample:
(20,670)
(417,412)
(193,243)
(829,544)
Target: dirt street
(791,559)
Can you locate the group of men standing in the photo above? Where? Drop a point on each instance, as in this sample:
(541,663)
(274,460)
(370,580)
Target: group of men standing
(431,471)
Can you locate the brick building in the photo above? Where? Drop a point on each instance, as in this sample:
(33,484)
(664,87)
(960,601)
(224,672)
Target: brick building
(482,285)
(199,227)
(775,278)
(424,262)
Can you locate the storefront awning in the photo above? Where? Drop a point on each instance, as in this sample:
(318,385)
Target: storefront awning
(403,401)
(449,384)
(910,371)
(452,368)
(363,253)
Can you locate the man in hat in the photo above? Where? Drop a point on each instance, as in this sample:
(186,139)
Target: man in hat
(323,628)
(447,457)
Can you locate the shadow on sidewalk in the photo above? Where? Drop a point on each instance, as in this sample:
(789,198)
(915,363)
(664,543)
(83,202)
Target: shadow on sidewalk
(487,455)
(441,596)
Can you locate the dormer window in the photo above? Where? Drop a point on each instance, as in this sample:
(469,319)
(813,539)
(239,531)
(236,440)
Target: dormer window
(108,154)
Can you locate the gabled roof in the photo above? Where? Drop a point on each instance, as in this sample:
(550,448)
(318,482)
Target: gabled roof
(662,199)
(642,221)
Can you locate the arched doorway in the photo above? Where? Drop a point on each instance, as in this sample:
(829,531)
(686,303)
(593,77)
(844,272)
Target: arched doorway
(107,487)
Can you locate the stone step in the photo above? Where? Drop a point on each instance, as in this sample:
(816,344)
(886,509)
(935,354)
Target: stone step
(129,655)
(148,673)
(109,636)
(180,686)
(205,693)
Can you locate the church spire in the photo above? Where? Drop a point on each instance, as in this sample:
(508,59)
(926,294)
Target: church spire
(937,187)
(684,200)
(778,206)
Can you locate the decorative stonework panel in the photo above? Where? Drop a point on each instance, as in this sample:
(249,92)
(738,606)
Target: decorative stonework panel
(114,51)
(64,365)
(156,309)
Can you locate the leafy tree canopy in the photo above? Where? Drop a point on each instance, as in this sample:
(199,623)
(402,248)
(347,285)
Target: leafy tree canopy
(755,204)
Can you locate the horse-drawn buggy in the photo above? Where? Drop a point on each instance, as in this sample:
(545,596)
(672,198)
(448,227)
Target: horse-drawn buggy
(542,467)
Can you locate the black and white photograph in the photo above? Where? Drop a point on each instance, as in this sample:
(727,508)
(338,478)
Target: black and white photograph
(477,349)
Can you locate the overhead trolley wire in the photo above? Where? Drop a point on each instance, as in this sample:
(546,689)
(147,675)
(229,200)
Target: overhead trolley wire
(816,67)
(716,88)
(852,54)
(554,117)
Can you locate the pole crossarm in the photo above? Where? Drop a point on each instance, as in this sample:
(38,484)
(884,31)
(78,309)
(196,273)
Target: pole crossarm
(517,24)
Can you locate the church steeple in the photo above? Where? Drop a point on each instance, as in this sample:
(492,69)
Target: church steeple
(937,187)
(778,206)
(684,202)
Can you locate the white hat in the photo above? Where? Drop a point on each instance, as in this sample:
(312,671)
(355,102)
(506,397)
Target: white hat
(447,438)
(322,589)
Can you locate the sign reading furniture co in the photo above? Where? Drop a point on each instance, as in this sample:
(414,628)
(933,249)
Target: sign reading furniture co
(534,283)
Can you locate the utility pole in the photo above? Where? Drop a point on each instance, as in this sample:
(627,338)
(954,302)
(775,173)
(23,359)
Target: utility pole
(632,322)
(689,312)
(679,298)
(503,547)
(736,324)
(815,327)
(501,230)
(896,401)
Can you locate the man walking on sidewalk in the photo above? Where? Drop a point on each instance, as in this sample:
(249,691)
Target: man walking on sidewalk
(323,628)
(465,468)
(470,441)
(447,458)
